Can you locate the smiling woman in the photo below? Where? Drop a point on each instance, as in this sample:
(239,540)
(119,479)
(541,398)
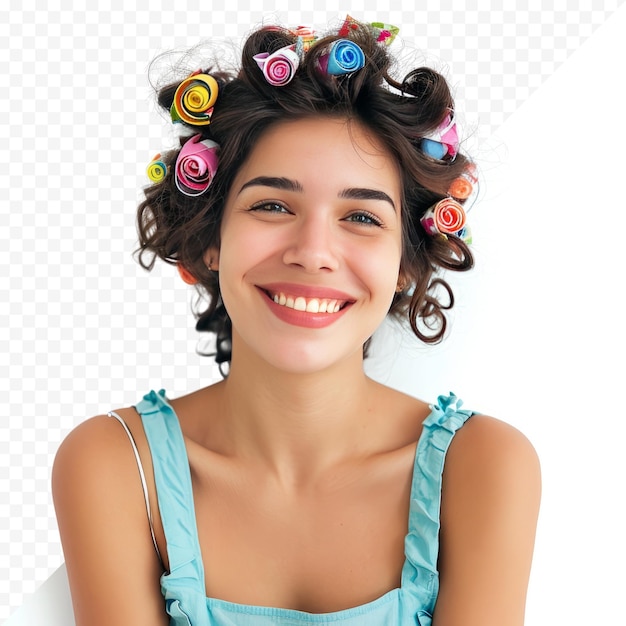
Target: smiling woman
(313,196)
(321,229)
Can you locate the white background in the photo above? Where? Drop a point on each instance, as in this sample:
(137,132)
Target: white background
(537,338)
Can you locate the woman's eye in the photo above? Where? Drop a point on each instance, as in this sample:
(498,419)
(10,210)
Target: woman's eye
(269,207)
(364,218)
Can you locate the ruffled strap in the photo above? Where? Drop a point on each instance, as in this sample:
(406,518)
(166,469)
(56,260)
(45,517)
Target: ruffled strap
(420,574)
(183,586)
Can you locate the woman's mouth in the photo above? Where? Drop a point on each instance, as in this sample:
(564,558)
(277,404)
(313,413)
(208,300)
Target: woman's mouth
(310,305)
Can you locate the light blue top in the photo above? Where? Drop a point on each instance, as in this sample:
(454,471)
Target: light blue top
(183,586)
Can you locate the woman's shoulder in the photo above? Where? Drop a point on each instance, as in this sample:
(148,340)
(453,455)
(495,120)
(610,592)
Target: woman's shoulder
(482,442)
(96,457)
(98,439)
(102,442)
(101,514)
(111,562)
(487,444)
(489,507)
(95,439)
(491,466)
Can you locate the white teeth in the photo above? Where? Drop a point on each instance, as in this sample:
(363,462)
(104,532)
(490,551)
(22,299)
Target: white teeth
(314,305)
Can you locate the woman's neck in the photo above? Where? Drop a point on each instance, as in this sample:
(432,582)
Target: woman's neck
(297,425)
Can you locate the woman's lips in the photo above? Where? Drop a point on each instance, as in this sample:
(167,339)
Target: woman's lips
(289,304)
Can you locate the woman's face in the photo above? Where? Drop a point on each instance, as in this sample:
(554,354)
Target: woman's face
(310,244)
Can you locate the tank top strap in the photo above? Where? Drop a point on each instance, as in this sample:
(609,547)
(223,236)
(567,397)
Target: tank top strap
(142,477)
(172,477)
(420,572)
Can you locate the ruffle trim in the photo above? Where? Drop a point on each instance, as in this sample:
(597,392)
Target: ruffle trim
(184,583)
(420,573)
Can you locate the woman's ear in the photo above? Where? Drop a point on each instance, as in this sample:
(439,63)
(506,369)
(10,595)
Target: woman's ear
(212,259)
(186,275)
(403,281)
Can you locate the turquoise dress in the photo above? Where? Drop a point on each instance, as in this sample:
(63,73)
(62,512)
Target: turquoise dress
(183,586)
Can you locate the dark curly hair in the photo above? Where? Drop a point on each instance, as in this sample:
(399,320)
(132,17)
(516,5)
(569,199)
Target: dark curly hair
(179,229)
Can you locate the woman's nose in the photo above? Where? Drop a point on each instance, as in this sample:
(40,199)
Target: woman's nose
(312,245)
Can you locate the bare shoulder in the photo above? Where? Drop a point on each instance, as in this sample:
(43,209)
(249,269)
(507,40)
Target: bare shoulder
(98,439)
(491,469)
(489,508)
(100,507)
(485,444)
(96,454)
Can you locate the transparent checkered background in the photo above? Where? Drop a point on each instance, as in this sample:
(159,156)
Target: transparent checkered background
(84,329)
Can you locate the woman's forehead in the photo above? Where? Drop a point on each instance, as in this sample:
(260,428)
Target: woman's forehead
(322,151)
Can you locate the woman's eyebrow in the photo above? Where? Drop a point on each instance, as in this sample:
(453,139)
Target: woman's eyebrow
(362,193)
(286,184)
(273,181)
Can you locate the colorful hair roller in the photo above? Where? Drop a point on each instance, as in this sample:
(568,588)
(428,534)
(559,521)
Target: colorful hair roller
(447,217)
(344,57)
(443,143)
(348,24)
(462,187)
(306,37)
(465,234)
(194,100)
(385,33)
(196,166)
(186,275)
(280,66)
(156,169)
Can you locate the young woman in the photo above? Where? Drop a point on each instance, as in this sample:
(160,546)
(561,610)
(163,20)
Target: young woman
(312,195)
